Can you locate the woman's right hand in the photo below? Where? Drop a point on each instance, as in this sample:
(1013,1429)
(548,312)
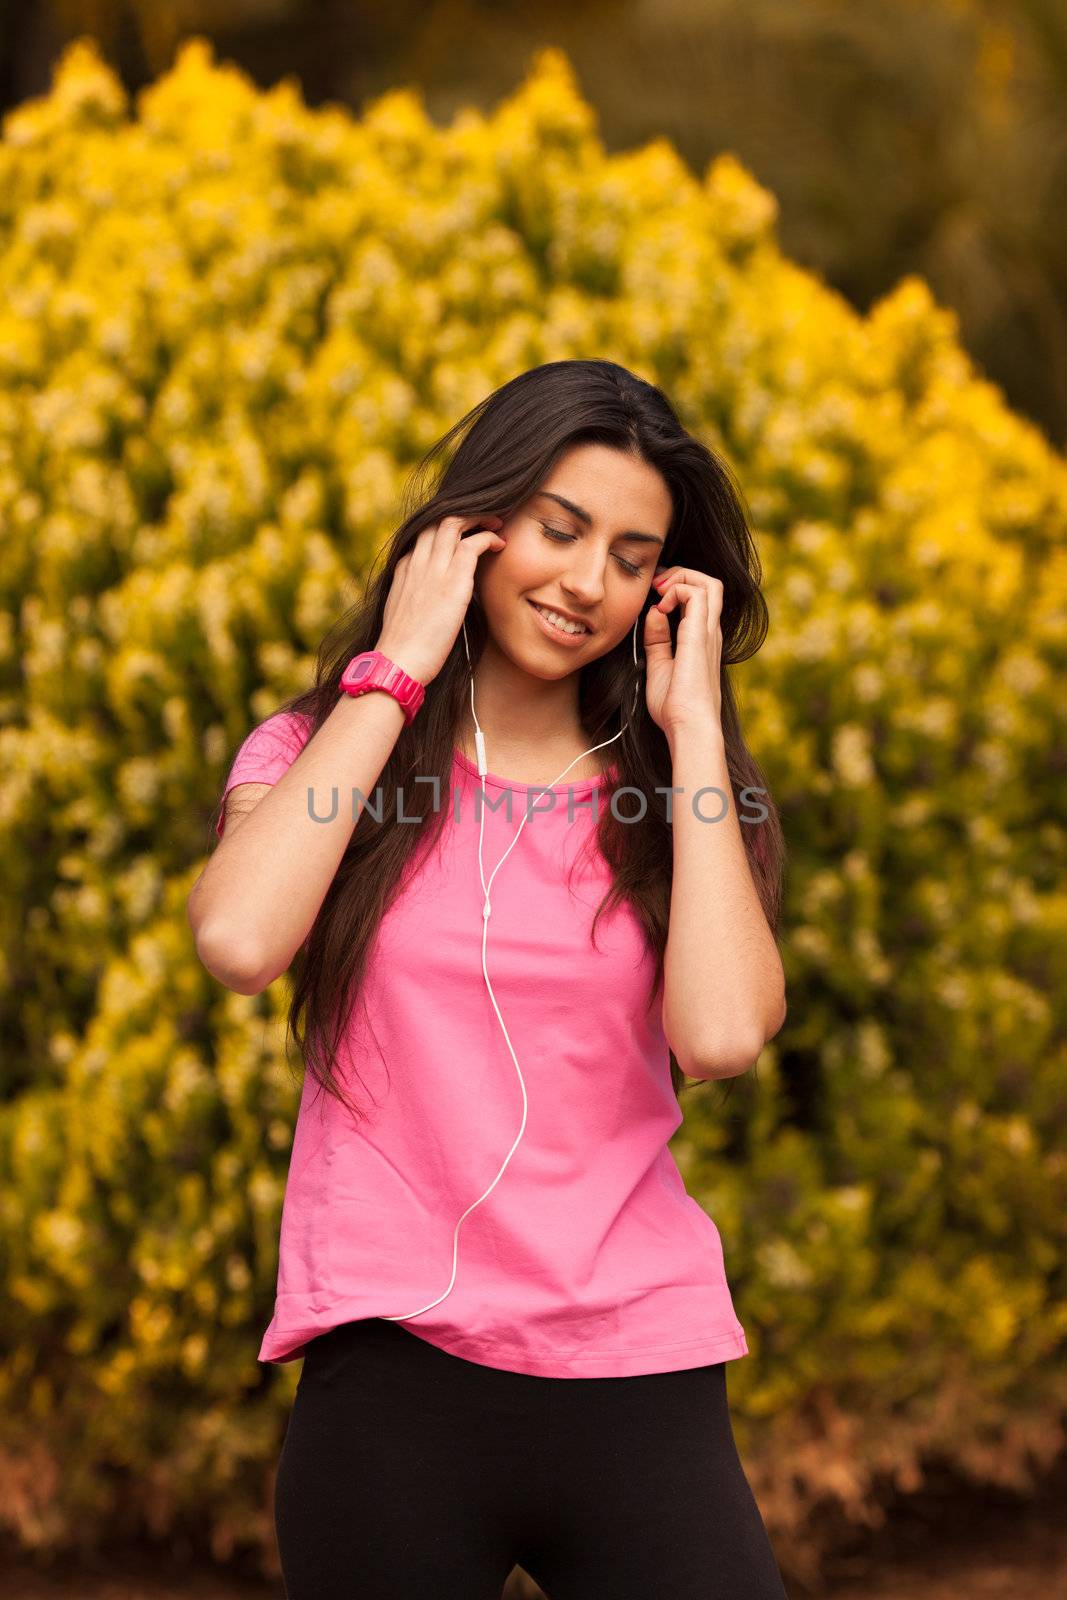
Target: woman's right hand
(430,592)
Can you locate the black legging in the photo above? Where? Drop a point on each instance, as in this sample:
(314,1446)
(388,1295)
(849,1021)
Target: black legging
(408,1473)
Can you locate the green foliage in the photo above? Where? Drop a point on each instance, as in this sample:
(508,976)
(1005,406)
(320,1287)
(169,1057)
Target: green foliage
(228,325)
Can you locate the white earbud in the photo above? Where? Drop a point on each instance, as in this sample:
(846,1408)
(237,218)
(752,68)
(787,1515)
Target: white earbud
(479,741)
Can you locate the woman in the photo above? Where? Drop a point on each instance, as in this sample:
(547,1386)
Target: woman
(515,1322)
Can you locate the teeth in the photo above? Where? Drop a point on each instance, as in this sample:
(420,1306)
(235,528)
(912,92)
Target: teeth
(561,622)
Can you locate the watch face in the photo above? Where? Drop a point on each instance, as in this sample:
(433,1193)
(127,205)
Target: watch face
(357,673)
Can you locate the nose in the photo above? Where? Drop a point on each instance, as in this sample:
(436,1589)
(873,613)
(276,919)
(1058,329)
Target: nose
(584,578)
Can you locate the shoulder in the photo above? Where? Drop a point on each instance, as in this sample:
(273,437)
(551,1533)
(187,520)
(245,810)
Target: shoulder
(281,737)
(268,751)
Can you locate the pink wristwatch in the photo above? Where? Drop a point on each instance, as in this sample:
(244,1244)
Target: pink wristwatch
(373,670)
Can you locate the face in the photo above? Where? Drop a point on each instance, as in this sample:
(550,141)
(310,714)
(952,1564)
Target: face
(592,560)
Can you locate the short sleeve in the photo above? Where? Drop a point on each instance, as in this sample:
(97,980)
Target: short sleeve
(269,750)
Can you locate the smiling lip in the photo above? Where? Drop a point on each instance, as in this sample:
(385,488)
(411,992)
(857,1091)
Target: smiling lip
(557,633)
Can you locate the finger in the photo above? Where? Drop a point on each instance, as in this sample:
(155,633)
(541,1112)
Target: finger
(666,575)
(485,525)
(475,519)
(677,593)
(419,550)
(451,534)
(476,544)
(657,631)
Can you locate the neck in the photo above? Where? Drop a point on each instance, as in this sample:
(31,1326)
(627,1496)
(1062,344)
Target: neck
(518,711)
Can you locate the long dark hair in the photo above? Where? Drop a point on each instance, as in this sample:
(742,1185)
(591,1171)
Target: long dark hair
(504,449)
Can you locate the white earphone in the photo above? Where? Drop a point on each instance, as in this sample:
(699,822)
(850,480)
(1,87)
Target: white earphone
(479,740)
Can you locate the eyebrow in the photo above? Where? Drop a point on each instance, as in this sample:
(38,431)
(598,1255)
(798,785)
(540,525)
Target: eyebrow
(585,516)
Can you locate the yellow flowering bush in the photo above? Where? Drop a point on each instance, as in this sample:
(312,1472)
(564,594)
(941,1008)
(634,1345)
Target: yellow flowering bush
(228,326)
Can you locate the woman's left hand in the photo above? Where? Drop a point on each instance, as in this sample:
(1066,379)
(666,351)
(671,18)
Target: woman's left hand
(684,687)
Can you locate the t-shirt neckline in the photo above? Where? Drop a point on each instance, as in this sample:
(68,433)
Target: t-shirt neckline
(498,782)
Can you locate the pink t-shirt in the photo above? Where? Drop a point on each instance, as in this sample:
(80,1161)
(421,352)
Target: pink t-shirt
(588,1258)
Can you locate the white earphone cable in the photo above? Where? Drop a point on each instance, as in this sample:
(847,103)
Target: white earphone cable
(479,740)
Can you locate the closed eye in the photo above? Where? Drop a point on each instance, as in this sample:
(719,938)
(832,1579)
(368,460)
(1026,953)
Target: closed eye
(560,537)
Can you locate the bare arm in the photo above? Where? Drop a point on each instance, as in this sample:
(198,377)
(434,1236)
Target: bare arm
(724,985)
(254,904)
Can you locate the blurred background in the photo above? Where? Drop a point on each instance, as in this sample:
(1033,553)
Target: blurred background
(255,257)
(897,135)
